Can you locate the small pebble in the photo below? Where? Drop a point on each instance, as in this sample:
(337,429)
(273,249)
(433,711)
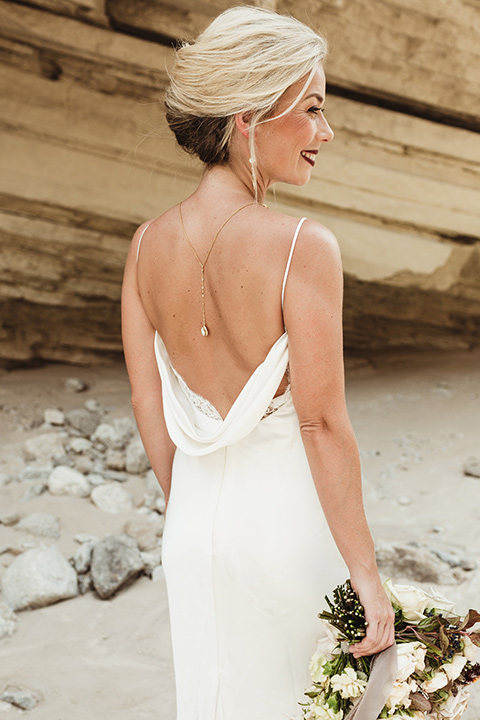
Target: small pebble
(54,416)
(468,564)
(9,518)
(74,385)
(404,500)
(471,467)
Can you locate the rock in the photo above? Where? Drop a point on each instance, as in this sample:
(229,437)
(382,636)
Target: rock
(5,479)
(144,532)
(471,467)
(83,421)
(74,385)
(116,561)
(83,557)
(404,500)
(38,577)
(54,416)
(83,464)
(468,564)
(414,563)
(8,621)
(47,446)
(114,436)
(115,459)
(32,473)
(42,524)
(151,561)
(33,491)
(160,504)
(19,698)
(8,519)
(136,458)
(64,480)
(79,445)
(86,537)
(152,486)
(95,479)
(94,406)
(158,573)
(111,498)
(85,583)
(116,475)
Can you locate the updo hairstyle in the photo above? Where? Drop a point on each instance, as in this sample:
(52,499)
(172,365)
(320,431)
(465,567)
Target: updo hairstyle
(243,62)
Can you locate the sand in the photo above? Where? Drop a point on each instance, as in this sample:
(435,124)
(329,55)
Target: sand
(416,419)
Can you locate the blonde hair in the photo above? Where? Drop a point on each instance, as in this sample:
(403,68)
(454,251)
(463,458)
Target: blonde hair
(243,62)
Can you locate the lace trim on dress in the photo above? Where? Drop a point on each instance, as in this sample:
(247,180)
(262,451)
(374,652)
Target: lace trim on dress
(208,409)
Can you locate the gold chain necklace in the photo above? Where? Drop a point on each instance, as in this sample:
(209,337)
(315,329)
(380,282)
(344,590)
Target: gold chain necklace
(204,329)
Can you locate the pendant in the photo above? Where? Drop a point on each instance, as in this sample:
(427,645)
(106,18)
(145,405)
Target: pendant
(204,330)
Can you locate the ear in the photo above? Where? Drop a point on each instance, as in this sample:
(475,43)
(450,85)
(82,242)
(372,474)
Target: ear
(242,121)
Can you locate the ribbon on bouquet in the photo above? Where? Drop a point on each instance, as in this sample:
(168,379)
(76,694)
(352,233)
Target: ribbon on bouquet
(383,673)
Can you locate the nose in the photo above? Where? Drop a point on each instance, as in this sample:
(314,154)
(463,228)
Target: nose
(324,132)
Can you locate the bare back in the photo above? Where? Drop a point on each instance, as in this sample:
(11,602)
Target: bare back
(243,289)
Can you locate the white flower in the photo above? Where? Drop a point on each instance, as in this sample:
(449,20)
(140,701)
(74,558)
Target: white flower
(316,667)
(453,669)
(348,684)
(319,710)
(410,657)
(454,706)
(470,650)
(437,601)
(327,641)
(438,681)
(400,695)
(411,600)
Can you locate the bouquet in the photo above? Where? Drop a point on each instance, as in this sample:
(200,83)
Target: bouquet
(436,658)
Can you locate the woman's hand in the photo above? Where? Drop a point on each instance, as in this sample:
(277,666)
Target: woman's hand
(379,615)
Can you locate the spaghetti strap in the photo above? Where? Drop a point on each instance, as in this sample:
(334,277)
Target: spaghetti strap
(141,236)
(290,258)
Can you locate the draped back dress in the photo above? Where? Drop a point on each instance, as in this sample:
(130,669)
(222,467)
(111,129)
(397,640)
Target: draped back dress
(247,553)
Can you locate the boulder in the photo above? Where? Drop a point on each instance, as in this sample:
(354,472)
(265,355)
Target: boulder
(41,524)
(111,498)
(38,577)
(116,561)
(83,421)
(47,446)
(65,480)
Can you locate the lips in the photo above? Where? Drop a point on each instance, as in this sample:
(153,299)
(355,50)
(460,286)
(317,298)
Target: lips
(309,156)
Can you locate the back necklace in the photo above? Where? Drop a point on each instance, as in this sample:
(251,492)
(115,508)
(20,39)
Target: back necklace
(204,329)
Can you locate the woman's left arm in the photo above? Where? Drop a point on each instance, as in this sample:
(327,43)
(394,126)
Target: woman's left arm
(138,344)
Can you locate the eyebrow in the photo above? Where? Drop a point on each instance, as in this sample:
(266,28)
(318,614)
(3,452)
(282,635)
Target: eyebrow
(319,97)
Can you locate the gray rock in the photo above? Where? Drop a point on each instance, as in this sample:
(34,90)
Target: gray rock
(8,519)
(115,459)
(79,445)
(34,473)
(47,446)
(33,491)
(144,532)
(116,475)
(74,385)
(83,464)
(38,577)
(95,479)
(114,436)
(42,524)
(116,561)
(468,564)
(152,486)
(83,421)
(94,406)
(54,416)
(19,698)
(64,480)
(151,561)
(83,557)
(404,500)
(8,621)
(111,498)
(85,583)
(158,573)
(136,458)
(5,479)
(414,563)
(471,467)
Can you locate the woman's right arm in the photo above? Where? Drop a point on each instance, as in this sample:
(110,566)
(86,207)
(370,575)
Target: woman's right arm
(313,318)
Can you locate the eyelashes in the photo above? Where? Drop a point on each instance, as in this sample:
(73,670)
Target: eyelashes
(315,109)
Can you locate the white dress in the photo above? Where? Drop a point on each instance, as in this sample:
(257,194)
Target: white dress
(247,553)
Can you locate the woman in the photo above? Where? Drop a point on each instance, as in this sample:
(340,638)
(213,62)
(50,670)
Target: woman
(237,380)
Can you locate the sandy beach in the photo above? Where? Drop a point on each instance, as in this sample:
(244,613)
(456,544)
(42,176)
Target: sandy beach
(416,418)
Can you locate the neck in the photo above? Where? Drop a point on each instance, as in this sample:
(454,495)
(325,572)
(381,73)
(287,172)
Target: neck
(236,180)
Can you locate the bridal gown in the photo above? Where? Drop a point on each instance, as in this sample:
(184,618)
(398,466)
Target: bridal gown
(247,553)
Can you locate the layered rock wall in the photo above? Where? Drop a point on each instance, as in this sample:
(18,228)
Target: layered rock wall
(86,157)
